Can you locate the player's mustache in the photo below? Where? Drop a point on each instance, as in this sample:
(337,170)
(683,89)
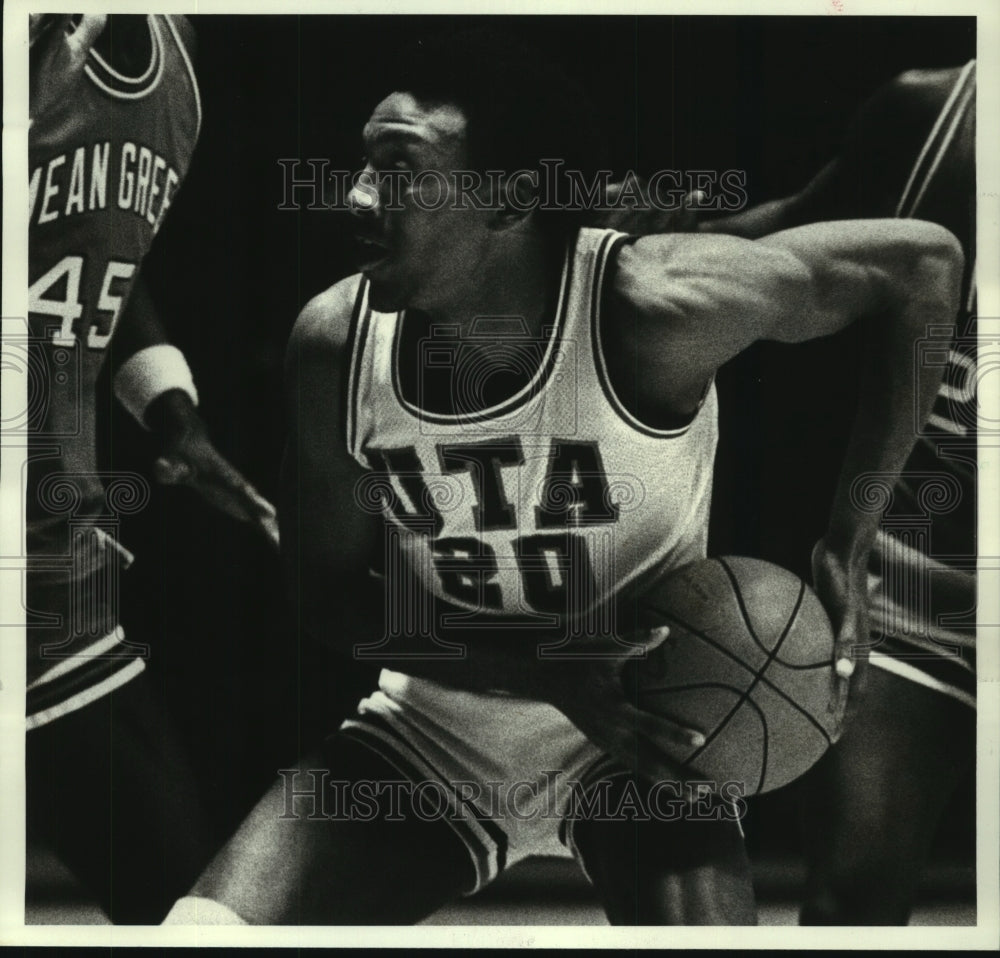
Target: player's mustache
(372,238)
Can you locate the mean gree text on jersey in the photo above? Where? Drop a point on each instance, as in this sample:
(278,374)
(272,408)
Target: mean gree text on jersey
(77,182)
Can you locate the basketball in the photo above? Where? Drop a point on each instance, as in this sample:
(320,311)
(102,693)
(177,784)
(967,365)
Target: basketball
(748,662)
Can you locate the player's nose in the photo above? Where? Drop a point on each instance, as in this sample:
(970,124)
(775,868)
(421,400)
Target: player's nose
(363,198)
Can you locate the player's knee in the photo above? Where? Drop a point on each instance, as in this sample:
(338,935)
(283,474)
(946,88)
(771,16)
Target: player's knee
(865,881)
(838,902)
(852,801)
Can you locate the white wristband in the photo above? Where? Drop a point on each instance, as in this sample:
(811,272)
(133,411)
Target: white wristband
(150,373)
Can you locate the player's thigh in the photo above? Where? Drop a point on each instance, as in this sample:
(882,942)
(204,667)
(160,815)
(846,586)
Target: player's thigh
(882,788)
(684,867)
(337,841)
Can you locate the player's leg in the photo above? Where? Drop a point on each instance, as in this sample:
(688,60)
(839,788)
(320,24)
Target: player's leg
(689,871)
(343,850)
(872,804)
(110,787)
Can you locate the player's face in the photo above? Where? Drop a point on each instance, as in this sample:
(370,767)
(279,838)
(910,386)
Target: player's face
(414,245)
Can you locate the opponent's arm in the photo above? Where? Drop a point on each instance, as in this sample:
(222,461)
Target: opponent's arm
(824,197)
(868,173)
(700,300)
(57,55)
(153,381)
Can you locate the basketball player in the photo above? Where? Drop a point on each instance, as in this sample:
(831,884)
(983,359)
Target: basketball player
(114,119)
(873,803)
(515,419)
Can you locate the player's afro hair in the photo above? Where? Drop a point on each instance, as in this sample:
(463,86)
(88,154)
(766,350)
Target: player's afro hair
(519,108)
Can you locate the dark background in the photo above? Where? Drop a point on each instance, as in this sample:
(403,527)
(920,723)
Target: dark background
(230,271)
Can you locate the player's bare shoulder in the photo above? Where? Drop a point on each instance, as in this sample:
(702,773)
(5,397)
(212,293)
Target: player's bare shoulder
(185,33)
(324,323)
(927,86)
(680,306)
(679,277)
(697,297)
(894,122)
(317,359)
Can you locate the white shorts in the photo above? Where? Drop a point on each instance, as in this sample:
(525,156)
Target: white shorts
(507,767)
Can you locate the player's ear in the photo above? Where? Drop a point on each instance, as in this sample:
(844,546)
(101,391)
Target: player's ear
(518,196)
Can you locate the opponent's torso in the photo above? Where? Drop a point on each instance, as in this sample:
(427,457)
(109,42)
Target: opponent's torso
(926,552)
(542,506)
(105,163)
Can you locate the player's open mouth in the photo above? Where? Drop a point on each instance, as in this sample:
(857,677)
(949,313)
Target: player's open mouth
(369,254)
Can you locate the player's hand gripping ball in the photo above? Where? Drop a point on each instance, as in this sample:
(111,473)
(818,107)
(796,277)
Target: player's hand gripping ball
(748,662)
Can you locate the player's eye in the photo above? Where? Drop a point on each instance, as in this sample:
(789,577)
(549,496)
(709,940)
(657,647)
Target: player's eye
(394,161)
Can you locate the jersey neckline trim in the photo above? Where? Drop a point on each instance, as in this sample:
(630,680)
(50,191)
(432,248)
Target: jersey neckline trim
(524,395)
(116,84)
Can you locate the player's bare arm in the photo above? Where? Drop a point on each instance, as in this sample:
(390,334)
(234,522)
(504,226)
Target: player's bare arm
(703,299)
(868,178)
(58,54)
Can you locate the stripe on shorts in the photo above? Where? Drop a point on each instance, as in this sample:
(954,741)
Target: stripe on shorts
(124,670)
(81,678)
(951,677)
(485,840)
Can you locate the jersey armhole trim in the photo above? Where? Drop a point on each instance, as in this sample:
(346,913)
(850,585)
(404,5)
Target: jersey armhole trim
(357,334)
(609,246)
(952,113)
(190,69)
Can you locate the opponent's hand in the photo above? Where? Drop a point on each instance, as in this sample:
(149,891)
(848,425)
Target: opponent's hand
(590,692)
(644,219)
(842,586)
(189,458)
(57,57)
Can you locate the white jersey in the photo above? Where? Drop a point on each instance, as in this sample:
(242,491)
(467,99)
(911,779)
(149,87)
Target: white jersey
(547,504)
